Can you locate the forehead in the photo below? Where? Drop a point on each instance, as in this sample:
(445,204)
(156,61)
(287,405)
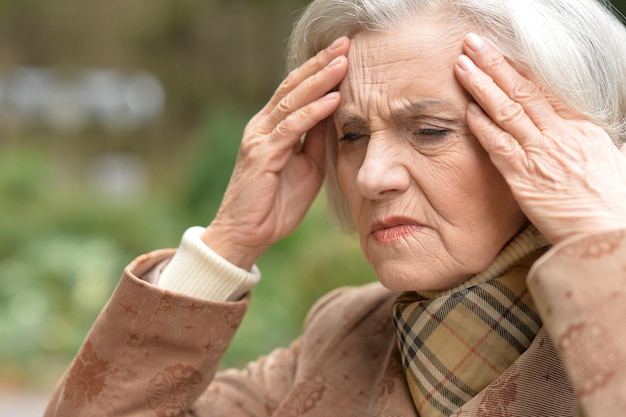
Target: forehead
(413,62)
(423,37)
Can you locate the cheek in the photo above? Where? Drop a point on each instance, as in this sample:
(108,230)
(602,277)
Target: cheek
(342,175)
(494,187)
(469,185)
(479,174)
(347,171)
(493,202)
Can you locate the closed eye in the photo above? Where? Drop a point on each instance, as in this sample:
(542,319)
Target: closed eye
(350,137)
(433,132)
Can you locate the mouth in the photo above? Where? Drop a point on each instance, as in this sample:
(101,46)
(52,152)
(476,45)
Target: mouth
(393,229)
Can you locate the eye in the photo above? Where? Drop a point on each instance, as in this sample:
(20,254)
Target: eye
(433,133)
(351,137)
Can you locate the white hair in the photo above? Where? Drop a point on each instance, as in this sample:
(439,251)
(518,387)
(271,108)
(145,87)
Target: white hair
(575,48)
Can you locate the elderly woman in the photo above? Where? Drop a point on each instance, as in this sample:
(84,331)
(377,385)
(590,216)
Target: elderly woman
(490,191)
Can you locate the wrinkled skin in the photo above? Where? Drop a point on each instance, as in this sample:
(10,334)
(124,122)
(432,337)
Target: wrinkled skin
(275,180)
(430,208)
(547,164)
(564,171)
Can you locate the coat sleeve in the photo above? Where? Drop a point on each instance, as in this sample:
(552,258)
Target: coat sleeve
(256,390)
(580,289)
(150,352)
(312,372)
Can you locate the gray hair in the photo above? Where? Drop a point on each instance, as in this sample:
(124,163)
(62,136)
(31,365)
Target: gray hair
(575,48)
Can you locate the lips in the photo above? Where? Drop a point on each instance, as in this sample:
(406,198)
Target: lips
(394,229)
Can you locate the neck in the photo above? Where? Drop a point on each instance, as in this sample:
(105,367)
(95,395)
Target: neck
(523,244)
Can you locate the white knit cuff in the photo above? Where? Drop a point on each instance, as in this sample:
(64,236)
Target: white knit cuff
(197,271)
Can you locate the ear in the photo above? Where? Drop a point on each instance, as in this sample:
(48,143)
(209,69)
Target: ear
(623,149)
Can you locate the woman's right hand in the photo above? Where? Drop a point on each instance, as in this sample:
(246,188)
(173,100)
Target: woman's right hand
(276,178)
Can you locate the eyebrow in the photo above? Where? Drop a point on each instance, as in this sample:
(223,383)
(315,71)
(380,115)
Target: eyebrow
(416,107)
(347,118)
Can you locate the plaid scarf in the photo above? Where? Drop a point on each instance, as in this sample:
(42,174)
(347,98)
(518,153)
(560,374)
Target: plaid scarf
(457,342)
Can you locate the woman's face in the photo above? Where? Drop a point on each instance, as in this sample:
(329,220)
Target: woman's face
(430,208)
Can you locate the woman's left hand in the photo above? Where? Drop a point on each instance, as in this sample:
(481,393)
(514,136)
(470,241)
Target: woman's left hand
(564,171)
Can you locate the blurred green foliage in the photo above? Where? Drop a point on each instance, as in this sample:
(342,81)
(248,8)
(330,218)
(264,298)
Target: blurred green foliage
(63,246)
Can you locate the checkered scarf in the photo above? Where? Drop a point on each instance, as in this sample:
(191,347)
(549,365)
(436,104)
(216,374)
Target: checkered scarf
(457,343)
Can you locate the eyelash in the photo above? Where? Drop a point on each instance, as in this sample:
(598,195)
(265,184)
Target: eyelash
(349,137)
(432,134)
(435,133)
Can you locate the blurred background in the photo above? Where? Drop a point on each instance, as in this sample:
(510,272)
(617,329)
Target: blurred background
(119,126)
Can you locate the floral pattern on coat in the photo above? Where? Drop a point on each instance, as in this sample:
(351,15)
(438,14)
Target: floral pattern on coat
(87,377)
(172,391)
(498,397)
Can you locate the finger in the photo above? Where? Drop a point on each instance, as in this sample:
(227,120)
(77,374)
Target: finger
(508,114)
(315,144)
(504,150)
(288,132)
(309,90)
(520,89)
(338,48)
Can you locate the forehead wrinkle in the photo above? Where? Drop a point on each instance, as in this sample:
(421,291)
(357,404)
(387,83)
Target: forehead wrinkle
(431,107)
(408,108)
(345,117)
(379,72)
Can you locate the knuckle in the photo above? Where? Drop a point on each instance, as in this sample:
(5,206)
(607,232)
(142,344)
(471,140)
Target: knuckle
(311,82)
(285,104)
(290,125)
(282,129)
(251,153)
(495,64)
(246,149)
(482,87)
(251,144)
(523,89)
(306,112)
(509,113)
(503,144)
(288,83)
(319,60)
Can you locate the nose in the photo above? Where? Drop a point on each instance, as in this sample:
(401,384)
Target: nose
(383,172)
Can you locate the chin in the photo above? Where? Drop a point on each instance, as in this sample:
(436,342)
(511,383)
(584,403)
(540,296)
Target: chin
(395,280)
(407,279)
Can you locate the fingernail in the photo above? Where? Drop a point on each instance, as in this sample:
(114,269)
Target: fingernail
(465,63)
(473,108)
(336,44)
(474,42)
(336,61)
(331,96)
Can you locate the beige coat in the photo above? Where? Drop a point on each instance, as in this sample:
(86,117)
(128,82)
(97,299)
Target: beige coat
(155,353)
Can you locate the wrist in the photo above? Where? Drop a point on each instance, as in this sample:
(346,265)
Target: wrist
(224,243)
(196,270)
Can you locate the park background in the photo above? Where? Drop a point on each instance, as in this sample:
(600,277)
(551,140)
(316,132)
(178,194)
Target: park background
(119,126)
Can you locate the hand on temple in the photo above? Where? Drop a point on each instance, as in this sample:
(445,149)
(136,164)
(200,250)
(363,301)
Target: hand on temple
(276,176)
(565,172)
